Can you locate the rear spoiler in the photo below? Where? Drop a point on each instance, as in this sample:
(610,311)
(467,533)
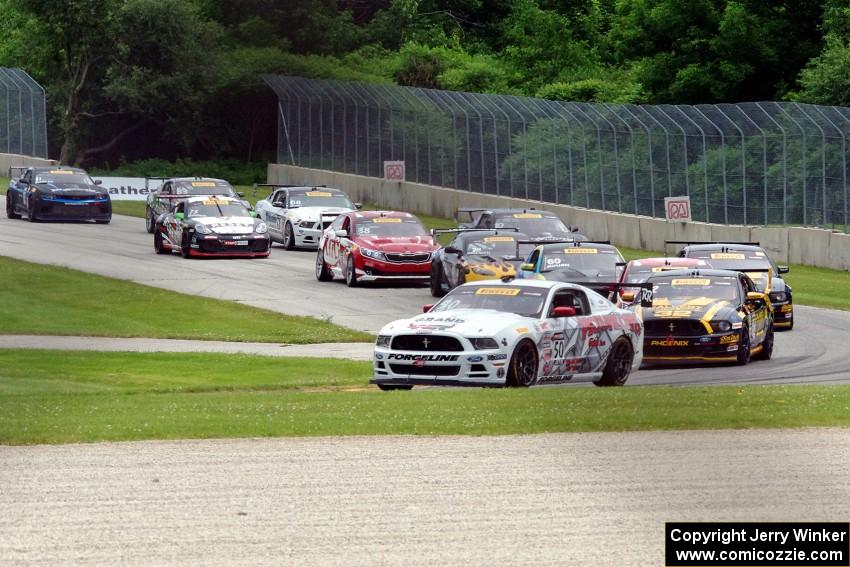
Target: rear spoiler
(436,231)
(699,242)
(606,288)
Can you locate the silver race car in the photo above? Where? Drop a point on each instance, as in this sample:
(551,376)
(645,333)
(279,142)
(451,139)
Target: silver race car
(511,333)
(297,216)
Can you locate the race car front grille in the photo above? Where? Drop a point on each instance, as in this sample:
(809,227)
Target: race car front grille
(409,369)
(426,343)
(229,244)
(674,327)
(74,211)
(408,257)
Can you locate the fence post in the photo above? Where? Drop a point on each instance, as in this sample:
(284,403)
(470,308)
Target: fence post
(722,161)
(616,157)
(649,154)
(805,158)
(684,147)
(764,158)
(577,106)
(784,165)
(612,108)
(667,150)
(704,158)
(839,112)
(822,153)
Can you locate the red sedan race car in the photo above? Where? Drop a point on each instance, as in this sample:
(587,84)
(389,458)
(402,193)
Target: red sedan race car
(364,246)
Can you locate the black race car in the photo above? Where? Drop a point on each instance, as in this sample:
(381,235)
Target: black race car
(56,193)
(748,256)
(474,255)
(706,315)
(582,262)
(535,223)
(211,226)
(174,190)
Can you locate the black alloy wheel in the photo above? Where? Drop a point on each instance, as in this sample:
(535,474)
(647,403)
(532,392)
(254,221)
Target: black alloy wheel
(522,371)
(185,247)
(619,364)
(743,356)
(766,352)
(436,282)
(350,272)
(158,244)
(322,272)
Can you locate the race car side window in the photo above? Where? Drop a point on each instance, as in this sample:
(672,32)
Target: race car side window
(534,257)
(27,177)
(346,224)
(486,221)
(166,189)
(570,298)
(337,223)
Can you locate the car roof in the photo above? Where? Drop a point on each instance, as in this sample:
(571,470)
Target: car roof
(539,284)
(479,234)
(311,188)
(529,210)
(190,179)
(41,169)
(578,244)
(724,246)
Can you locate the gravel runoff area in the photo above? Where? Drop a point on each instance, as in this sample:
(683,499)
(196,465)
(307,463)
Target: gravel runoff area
(555,499)
(349,351)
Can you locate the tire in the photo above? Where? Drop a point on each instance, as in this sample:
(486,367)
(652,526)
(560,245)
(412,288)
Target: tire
(158,245)
(322,272)
(437,279)
(619,364)
(791,326)
(150,221)
(743,357)
(522,371)
(288,237)
(766,352)
(10,207)
(185,248)
(391,387)
(350,272)
(31,215)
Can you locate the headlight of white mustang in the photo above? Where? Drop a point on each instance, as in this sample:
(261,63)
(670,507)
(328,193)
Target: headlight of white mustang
(261,228)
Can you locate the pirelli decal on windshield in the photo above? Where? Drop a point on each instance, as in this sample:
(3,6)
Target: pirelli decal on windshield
(203,184)
(318,194)
(528,216)
(387,219)
(61,172)
(509,291)
(690,281)
(581,251)
(499,239)
(727,256)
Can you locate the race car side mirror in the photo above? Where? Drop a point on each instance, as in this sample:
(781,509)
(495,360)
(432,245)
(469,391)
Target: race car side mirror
(279,204)
(98,181)
(573,228)
(783,269)
(527,267)
(755,297)
(628,296)
(240,193)
(564,312)
(427,307)
(341,233)
(358,206)
(453,250)
(253,213)
(179,216)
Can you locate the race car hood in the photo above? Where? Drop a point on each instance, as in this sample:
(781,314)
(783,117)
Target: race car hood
(227,225)
(587,276)
(423,243)
(314,213)
(466,322)
(697,308)
(71,189)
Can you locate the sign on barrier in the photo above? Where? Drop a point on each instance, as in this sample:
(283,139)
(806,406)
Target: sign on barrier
(394,170)
(127,188)
(677,209)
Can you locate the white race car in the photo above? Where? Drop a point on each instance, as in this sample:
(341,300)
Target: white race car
(297,216)
(511,333)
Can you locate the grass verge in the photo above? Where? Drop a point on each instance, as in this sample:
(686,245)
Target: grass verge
(65,397)
(61,301)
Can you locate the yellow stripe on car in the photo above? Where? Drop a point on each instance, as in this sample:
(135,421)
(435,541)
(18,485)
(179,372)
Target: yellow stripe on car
(705,320)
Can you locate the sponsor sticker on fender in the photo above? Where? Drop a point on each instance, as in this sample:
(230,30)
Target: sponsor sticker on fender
(729,339)
(509,291)
(581,251)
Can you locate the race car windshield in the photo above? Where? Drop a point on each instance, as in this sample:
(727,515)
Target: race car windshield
(522,301)
(640,273)
(679,289)
(64,177)
(584,260)
(204,188)
(735,260)
(319,199)
(390,227)
(217,210)
(492,246)
(533,224)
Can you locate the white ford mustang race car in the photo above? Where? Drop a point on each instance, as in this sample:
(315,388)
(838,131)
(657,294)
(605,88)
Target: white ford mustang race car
(511,333)
(297,216)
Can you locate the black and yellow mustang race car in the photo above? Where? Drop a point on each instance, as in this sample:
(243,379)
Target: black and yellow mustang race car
(536,224)
(751,258)
(474,255)
(706,315)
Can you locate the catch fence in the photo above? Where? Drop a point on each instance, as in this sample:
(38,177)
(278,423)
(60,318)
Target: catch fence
(758,163)
(23,116)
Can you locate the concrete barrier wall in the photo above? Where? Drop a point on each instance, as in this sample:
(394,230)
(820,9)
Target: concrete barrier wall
(809,246)
(8,160)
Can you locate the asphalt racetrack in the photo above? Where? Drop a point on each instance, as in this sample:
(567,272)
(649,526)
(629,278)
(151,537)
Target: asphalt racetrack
(815,351)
